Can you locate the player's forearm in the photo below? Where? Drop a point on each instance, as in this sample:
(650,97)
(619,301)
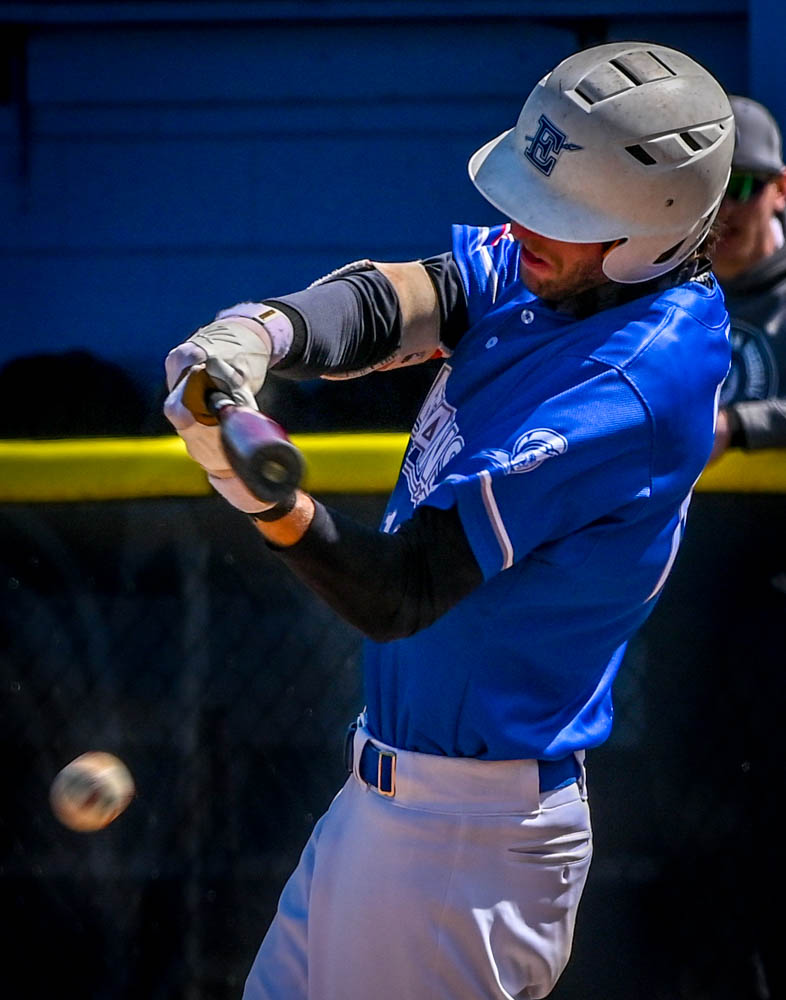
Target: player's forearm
(347,324)
(370,317)
(388,586)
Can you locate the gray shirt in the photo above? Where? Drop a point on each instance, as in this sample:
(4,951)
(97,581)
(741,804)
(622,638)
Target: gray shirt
(754,393)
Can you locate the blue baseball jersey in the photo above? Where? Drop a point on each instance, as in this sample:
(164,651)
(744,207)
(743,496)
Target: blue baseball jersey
(570,449)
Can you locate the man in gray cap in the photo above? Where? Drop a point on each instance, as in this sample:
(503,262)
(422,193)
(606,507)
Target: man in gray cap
(750,262)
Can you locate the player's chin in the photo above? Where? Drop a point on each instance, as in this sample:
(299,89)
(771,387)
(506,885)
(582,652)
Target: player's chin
(541,285)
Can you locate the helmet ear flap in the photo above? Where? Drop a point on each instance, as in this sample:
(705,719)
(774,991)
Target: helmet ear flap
(641,258)
(622,261)
(612,245)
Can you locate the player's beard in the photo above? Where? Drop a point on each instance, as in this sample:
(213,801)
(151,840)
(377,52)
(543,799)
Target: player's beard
(559,287)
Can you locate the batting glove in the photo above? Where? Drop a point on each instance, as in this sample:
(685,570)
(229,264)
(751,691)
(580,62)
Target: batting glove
(235,352)
(203,441)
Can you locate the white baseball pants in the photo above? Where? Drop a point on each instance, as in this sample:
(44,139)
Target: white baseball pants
(464,885)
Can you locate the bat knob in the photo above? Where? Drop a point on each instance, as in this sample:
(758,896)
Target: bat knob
(274,471)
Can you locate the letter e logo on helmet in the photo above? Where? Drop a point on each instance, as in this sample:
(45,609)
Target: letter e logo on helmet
(546,145)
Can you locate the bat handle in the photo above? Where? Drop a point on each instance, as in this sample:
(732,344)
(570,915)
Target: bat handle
(217,401)
(258,449)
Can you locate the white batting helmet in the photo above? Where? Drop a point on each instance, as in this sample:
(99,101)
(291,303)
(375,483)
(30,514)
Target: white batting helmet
(625,141)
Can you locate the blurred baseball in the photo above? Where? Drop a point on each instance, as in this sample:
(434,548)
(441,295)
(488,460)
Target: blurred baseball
(91,791)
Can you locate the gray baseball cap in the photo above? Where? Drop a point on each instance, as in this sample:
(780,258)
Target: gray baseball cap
(758,147)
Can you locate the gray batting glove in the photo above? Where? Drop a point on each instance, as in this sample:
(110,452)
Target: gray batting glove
(235,352)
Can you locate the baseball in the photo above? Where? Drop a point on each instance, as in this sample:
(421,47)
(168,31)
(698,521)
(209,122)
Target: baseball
(91,791)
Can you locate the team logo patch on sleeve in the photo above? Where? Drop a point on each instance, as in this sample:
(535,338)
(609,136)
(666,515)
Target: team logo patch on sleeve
(530,450)
(534,447)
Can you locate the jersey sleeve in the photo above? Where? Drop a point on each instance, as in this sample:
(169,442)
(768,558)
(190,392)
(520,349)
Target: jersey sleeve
(576,458)
(488,261)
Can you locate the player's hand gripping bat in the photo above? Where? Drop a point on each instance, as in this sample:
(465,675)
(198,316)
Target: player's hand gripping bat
(258,449)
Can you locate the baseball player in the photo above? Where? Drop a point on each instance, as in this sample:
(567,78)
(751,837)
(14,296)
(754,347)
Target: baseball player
(539,508)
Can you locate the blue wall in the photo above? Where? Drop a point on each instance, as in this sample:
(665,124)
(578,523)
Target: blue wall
(159,161)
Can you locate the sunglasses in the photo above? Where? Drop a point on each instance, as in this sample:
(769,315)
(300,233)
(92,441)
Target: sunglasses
(743,187)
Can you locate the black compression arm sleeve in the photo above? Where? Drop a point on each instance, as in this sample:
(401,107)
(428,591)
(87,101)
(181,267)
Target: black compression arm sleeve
(342,325)
(351,323)
(388,586)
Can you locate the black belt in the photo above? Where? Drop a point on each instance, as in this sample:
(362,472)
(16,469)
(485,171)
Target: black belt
(377,768)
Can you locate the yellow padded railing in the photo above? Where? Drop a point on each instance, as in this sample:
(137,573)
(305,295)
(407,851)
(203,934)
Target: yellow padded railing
(127,468)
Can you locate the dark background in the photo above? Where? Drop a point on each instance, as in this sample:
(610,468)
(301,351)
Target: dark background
(165,632)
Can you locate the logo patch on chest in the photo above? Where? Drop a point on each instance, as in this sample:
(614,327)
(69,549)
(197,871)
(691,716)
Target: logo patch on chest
(754,369)
(435,440)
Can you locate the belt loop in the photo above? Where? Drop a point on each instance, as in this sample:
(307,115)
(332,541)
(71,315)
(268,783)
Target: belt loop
(580,755)
(349,740)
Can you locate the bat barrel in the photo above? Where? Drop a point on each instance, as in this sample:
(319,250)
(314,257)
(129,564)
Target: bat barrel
(259,451)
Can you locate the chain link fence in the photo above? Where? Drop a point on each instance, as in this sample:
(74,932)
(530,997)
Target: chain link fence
(165,632)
